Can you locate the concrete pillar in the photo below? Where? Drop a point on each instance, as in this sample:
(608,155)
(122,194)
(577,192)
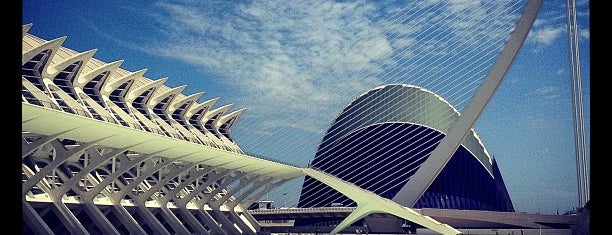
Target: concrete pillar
(128,220)
(68,219)
(209,220)
(151,221)
(232,216)
(171,219)
(212,224)
(216,212)
(33,219)
(99,219)
(189,219)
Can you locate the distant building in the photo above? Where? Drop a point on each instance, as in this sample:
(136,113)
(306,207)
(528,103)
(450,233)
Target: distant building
(262,204)
(384,135)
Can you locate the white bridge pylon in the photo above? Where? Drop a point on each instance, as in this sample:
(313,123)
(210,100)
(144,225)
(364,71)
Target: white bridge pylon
(368,203)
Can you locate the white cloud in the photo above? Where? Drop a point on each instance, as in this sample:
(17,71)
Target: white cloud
(457,6)
(546,35)
(545,152)
(585,33)
(296,54)
(560,71)
(552,24)
(540,122)
(548,92)
(286,57)
(298,63)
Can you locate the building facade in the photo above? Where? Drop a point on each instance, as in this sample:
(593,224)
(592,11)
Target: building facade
(382,137)
(109,151)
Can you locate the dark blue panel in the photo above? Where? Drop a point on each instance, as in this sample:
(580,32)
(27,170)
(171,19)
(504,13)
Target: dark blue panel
(465,184)
(381,158)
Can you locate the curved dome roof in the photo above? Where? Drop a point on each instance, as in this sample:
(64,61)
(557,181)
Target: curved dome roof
(401,103)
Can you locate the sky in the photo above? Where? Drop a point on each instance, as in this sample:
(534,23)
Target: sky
(293,65)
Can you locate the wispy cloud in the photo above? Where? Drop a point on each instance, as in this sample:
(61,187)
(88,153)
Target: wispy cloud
(540,122)
(545,152)
(547,35)
(295,55)
(548,92)
(109,37)
(552,24)
(304,60)
(585,33)
(561,71)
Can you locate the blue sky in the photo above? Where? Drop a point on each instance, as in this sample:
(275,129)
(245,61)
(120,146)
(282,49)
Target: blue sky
(294,64)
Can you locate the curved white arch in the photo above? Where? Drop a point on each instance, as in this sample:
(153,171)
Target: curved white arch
(110,86)
(134,92)
(53,45)
(200,109)
(55,69)
(177,103)
(83,79)
(25,28)
(156,98)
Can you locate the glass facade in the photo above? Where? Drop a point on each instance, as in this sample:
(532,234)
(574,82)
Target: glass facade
(383,136)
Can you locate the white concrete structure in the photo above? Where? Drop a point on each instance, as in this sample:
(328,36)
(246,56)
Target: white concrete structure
(109,151)
(105,150)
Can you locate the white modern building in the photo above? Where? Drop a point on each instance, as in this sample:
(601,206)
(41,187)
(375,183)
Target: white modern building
(110,151)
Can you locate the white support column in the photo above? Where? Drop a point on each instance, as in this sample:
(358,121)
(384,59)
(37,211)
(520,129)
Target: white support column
(216,212)
(29,148)
(194,175)
(204,215)
(151,169)
(170,217)
(151,221)
(226,224)
(99,219)
(96,216)
(192,221)
(142,210)
(214,176)
(126,165)
(68,219)
(33,220)
(252,224)
(209,221)
(244,205)
(125,217)
(96,162)
(63,156)
(233,217)
(369,202)
(128,220)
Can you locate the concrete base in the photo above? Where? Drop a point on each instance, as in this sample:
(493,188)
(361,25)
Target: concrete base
(383,225)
